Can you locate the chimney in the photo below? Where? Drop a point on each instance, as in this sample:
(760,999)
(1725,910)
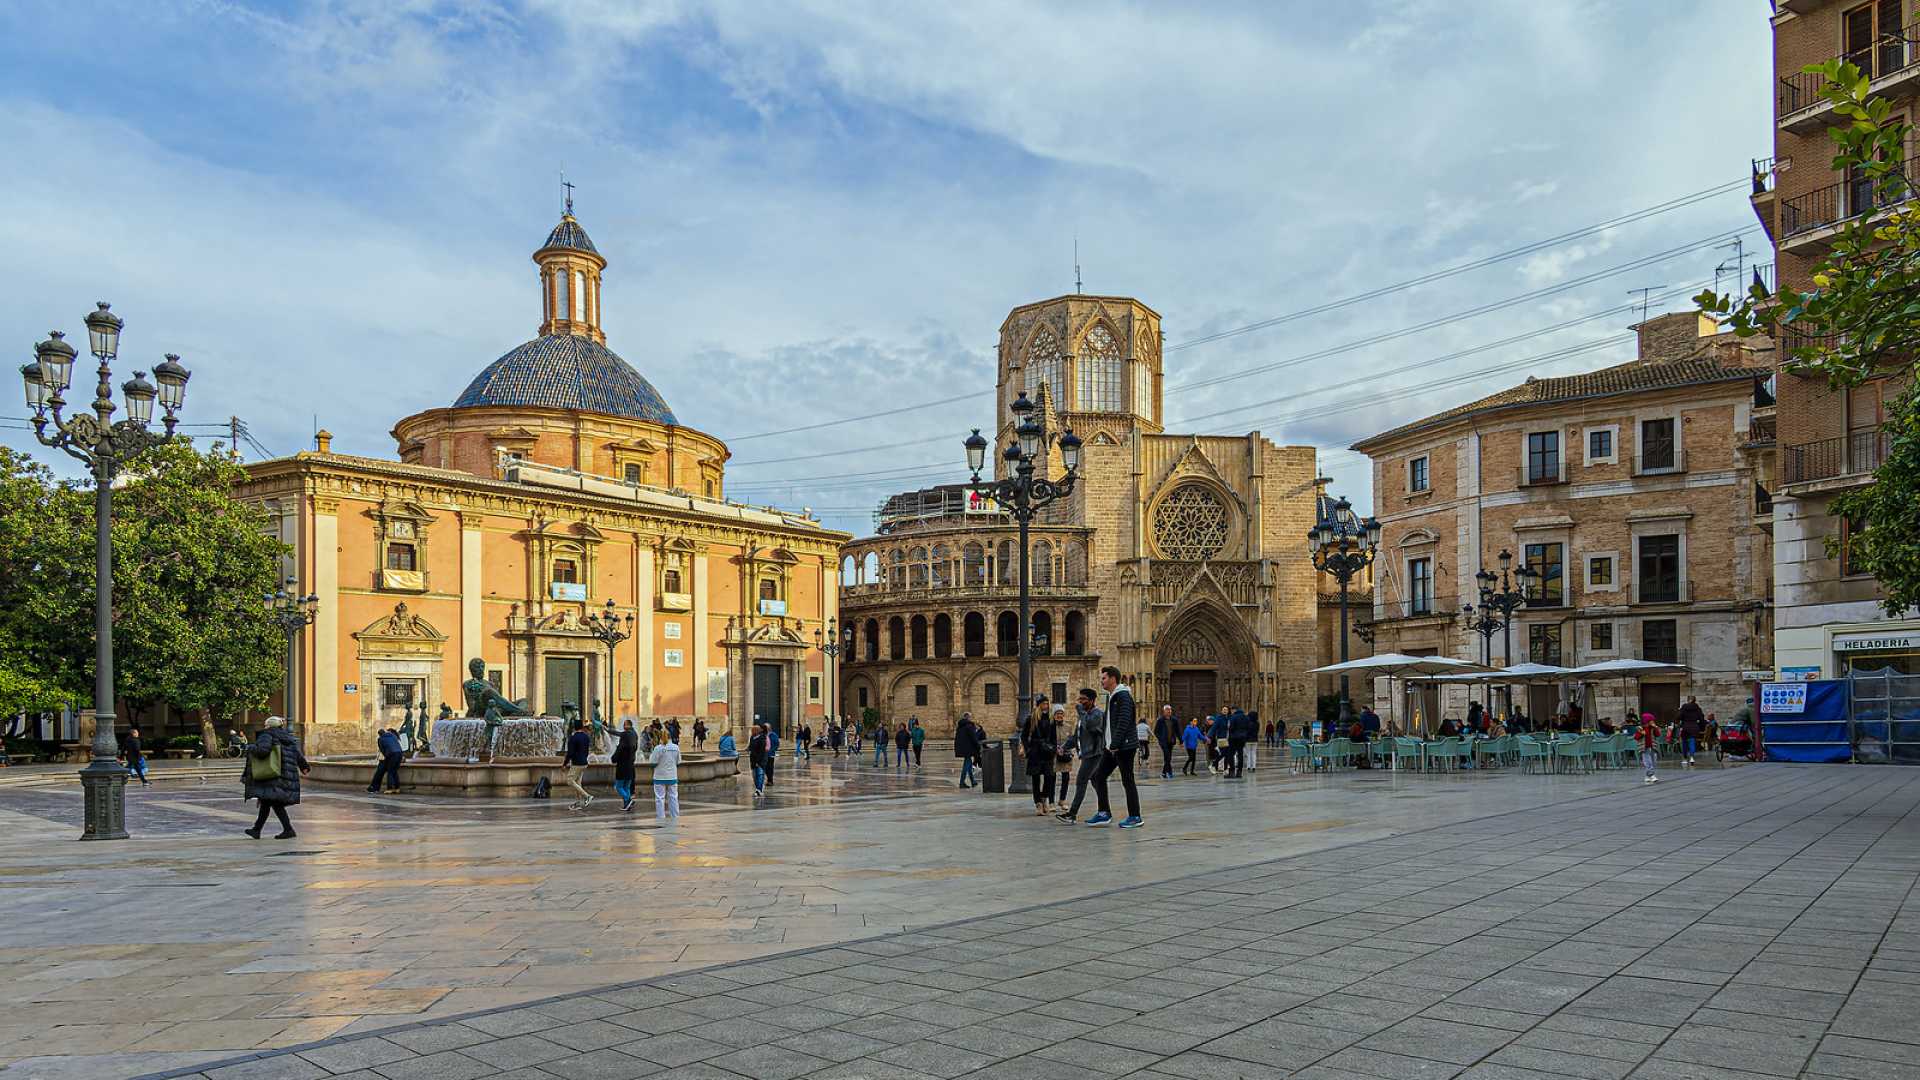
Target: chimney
(323,441)
(1670,337)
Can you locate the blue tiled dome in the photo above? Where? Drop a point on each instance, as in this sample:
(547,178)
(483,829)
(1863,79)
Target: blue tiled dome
(567,371)
(569,234)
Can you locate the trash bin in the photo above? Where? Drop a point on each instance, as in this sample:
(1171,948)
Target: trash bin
(993,767)
(1018,782)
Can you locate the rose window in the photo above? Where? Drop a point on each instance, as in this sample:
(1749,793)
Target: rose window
(1190,524)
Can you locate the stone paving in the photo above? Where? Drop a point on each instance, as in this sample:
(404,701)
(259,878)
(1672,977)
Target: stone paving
(1721,924)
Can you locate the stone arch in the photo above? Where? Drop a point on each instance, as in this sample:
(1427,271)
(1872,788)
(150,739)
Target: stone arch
(917,635)
(1100,357)
(897,569)
(917,568)
(942,636)
(973,635)
(1203,659)
(853,703)
(941,566)
(973,565)
(1076,633)
(903,702)
(1042,569)
(896,638)
(1043,633)
(975,696)
(849,571)
(870,569)
(1009,568)
(1006,634)
(1076,568)
(873,640)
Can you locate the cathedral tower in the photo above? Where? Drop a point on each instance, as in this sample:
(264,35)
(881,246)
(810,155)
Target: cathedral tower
(570,270)
(1098,356)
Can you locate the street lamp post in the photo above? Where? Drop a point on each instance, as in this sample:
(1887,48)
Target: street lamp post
(104,447)
(612,629)
(1024,495)
(1501,595)
(1343,545)
(832,643)
(292,613)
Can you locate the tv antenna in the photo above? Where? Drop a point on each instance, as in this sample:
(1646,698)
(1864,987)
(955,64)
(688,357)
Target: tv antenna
(1737,264)
(1646,298)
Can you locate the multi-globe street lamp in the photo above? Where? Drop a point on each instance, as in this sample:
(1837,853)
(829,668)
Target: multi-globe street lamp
(293,613)
(832,642)
(104,446)
(611,628)
(1501,595)
(1024,495)
(1343,544)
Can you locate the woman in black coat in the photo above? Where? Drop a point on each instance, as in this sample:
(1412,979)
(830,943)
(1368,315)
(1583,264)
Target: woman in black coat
(623,774)
(1040,742)
(282,791)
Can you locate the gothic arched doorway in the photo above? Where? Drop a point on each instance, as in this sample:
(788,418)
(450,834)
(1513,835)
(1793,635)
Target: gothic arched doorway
(1203,663)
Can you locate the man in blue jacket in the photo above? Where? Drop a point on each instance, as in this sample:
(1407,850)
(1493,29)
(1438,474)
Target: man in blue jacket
(389,766)
(1121,749)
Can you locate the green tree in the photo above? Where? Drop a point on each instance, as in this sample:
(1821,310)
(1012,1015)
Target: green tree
(191,567)
(1861,321)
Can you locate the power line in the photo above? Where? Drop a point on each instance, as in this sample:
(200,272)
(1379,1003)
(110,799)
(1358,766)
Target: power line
(1399,286)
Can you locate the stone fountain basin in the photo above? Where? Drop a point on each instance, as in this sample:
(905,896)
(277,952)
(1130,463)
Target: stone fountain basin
(507,777)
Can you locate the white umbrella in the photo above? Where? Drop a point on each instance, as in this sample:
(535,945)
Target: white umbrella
(1628,668)
(1400,665)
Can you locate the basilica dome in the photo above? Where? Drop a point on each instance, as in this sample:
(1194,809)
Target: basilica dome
(567,371)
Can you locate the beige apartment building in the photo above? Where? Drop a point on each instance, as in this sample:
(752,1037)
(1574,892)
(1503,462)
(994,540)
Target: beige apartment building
(1635,493)
(1828,616)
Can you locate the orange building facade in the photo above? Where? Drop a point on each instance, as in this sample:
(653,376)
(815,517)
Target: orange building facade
(558,482)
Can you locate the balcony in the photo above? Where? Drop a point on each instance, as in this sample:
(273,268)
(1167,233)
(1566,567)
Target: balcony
(1892,63)
(1761,432)
(1660,464)
(1827,459)
(1765,193)
(1545,474)
(1811,222)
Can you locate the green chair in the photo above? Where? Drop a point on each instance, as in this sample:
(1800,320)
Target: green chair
(1532,752)
(1576,752)
(1299,754)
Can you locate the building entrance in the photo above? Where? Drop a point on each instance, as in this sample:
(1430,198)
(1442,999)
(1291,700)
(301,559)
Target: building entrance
(564,679)
(1193,694)
(766,696)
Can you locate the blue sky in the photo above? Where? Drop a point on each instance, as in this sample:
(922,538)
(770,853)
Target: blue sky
(820,210)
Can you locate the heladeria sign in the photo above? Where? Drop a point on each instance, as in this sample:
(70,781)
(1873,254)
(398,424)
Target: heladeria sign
(1877,643)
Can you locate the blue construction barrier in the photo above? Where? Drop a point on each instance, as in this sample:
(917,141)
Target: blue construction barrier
(1806,721)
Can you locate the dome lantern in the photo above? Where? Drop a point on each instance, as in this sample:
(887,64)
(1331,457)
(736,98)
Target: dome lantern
(570,270)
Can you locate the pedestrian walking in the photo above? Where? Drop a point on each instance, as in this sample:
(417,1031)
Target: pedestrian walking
(1063,757)
(666,780)
(1141,733)
(966,745)
(803,741)
(1090,743)
(136,756)
(699,734)
(902,738)
(1040,742)
(1648,737)
(919,740)
(773,749)
(1166,732)
(836,735)
(1190,738)
(274,768)
(1119,755)
(1693,724)
(625,750)
(574,758)
(389,767)
(881,744)
(757,756)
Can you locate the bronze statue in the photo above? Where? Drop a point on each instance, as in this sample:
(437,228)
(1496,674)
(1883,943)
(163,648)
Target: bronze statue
(482,698)
(599,730)
(406,726)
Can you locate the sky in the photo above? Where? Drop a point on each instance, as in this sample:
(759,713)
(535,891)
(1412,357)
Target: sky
(818,211)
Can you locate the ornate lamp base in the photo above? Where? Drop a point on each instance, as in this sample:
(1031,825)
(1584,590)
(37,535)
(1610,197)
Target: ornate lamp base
(103,786)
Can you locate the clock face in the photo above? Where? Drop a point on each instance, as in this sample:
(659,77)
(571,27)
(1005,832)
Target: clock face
(402,530)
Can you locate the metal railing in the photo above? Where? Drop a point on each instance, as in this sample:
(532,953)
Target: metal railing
(1552,473)
(1761,430)
(1891,55)
(1763,175)
(1672,461)
(1824,459)
(1838,202)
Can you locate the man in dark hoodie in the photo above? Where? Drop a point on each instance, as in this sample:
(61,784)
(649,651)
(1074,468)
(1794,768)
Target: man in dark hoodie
(1090,743)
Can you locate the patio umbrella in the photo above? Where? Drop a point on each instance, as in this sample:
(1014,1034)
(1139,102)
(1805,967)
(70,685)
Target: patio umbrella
(1627,668)
(1399,666)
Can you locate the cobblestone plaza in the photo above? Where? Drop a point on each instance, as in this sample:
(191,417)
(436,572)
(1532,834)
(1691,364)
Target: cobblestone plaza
(878,923)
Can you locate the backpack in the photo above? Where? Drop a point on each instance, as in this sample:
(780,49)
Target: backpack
(543,789)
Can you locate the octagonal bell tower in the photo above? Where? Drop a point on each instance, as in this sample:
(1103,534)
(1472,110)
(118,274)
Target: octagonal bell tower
(1097,356)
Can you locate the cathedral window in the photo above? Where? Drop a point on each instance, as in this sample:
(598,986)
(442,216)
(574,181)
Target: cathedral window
(670,582)
(1047,365)
(1142,389)
(769,589)
(1040,571)
(579,296)
(400,539)
(917,568)
(1191,523)
(941,567)
(1099,372)
(566,570)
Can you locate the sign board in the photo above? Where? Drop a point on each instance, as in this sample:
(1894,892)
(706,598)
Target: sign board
(351,688)
(1800,674)
(773,607)
(569,590)
(1757,676)
(716,684)
(979,502)
(670,631)
(1783,698)
(1877,643)
(675,658)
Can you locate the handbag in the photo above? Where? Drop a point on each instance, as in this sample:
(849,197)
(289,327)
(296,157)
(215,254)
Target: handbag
(265,768)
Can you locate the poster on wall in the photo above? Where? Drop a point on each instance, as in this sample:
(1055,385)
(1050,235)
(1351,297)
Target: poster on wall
(1783,698)
(674,658)
(716,684)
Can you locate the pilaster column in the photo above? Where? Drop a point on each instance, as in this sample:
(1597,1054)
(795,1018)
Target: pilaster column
(700,649)
(643,574)
(471,632)
(326,618)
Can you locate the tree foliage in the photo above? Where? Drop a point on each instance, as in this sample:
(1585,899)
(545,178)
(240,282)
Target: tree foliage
(191,566)
(1860,322)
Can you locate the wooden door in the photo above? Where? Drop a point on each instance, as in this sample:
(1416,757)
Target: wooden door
(1193,694)
(766,696)
(565,681)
